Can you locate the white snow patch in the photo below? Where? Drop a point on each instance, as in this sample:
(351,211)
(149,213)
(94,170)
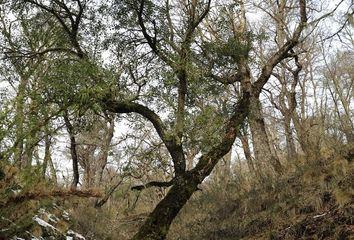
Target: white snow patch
(16,191)
(66,215)
(72,233)
(43,223)
(321,215)
(51,217)
(41,210)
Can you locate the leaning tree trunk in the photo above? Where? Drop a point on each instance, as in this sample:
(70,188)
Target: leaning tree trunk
(158,223)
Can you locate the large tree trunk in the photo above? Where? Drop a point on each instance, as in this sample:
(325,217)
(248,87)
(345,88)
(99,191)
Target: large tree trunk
(261,144)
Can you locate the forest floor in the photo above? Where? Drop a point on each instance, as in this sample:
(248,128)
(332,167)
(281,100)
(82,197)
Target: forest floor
(312,199)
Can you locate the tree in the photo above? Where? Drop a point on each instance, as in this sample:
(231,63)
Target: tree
(185,183)
(339,79)
(172,59)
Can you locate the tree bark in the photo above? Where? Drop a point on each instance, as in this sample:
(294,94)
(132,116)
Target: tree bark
(102,161)
(261,143)
(73,151)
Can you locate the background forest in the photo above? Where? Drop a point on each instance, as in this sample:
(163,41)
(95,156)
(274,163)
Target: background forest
(176,119)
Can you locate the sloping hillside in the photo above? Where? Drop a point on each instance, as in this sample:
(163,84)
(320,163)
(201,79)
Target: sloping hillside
(312,200)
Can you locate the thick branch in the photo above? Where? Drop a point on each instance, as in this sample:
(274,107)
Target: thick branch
(173,146)
(131,107)
(153,184)
(230,79)
(209,160)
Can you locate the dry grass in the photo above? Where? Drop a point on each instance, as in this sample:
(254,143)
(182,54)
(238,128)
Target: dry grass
(278,208)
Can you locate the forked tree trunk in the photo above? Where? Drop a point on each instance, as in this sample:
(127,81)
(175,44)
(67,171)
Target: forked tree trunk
(158,222)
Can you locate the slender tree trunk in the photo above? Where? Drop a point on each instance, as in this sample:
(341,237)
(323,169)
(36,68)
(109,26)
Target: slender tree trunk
(53,172)
(102,161)
(290,144)
(88,175)
(48,161)
(73,151)
(47,154)
(19,120)
(247,152)
(99,203)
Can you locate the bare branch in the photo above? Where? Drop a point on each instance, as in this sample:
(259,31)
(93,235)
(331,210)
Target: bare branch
(153,184)
(282,53)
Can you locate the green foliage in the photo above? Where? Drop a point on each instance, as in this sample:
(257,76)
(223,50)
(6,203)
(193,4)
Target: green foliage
(235,48)
(206,129)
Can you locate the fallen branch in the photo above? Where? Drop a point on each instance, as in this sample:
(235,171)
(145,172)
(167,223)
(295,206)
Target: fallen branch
(39,194)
